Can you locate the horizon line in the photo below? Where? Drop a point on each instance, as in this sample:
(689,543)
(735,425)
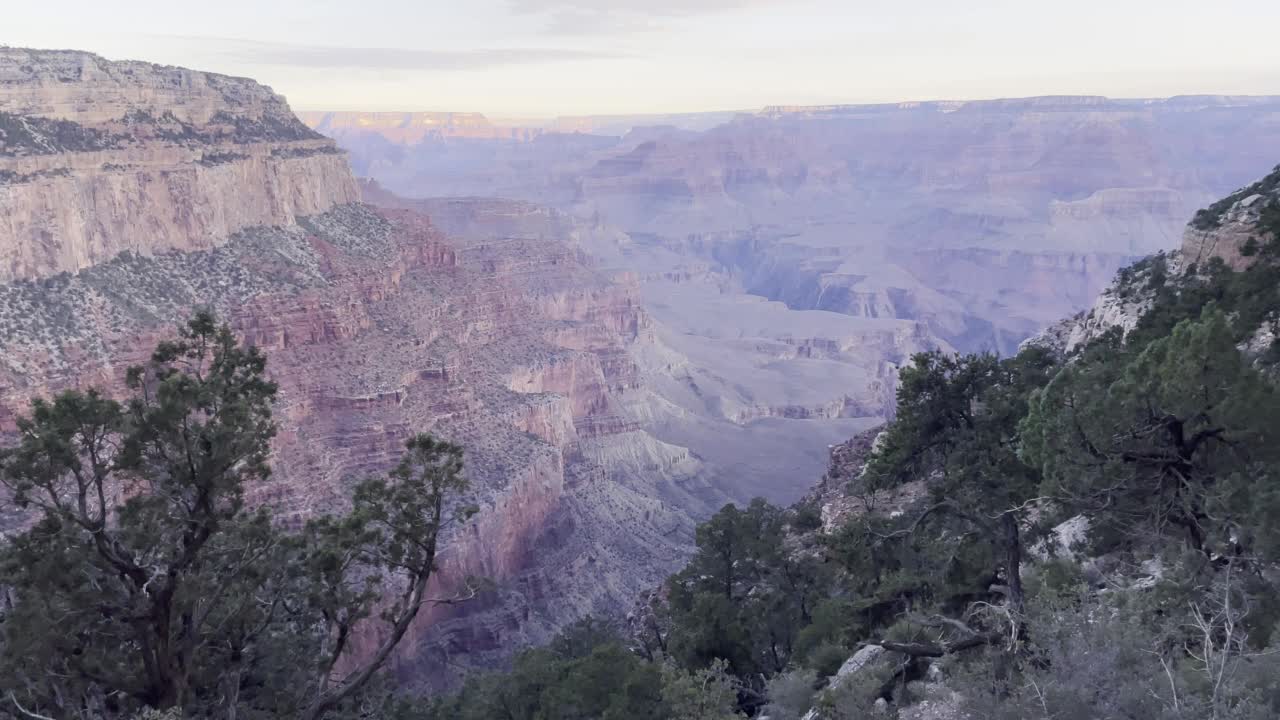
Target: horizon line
(802,107)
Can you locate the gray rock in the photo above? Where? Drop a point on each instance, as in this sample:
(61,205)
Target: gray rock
(1063,538)
(865,656)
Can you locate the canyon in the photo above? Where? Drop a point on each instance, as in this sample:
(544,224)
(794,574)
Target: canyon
(134,193)
(984,220)
(626,325)
(794,257)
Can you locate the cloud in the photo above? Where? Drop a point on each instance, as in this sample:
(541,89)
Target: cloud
(337,57)
(580,17)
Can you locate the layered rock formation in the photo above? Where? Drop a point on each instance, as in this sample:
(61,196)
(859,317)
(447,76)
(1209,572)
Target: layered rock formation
(377,324)
(1234,228)
(99,158)
(753,391)
(1231,231)
(984,220)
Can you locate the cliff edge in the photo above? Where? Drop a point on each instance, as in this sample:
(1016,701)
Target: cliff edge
(100,157)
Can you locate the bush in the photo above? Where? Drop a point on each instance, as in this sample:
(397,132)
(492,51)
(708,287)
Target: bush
(827,658)
(791,694)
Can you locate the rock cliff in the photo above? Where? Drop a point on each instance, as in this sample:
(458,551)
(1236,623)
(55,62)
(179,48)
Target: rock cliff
(168,189)
(1234,228)
(377,325)
(99,158)
(1231,231)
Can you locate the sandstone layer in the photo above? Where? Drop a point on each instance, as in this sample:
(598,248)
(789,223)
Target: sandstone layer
(99,158)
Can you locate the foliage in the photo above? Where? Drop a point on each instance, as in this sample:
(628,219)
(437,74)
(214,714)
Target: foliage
(1179,439)
(1211,217)
(957,429)
(1098,658)
(744,597)
(791,694)
(163,588)
(34,135)
(706,694)
(587,674)
(1249,299)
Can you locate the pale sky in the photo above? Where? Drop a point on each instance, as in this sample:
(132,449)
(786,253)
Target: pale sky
(562,57)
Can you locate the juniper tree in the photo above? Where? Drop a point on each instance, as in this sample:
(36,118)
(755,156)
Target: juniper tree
(1180,438)
(956,432)
(147,581)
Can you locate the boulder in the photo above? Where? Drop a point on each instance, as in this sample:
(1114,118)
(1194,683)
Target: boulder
(859,660)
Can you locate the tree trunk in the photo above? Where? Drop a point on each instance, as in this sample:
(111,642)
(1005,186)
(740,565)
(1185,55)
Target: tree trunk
(1014,601)
(1013,564)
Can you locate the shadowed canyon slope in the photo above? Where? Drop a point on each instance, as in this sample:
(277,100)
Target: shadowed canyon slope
(133,193)
(983,220)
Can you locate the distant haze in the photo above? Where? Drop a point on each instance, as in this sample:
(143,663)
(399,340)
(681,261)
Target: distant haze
(539,58)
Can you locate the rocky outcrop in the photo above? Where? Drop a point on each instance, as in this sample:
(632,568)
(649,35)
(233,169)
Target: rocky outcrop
(1110,311)
(99,158)
(1234,229)
(837,496)
(91,91)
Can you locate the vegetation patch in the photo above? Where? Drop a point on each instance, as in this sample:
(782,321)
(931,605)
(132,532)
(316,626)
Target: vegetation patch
(146,587)
(267,128)
(213,159)
(29,135)
(304,152)
(1212,216)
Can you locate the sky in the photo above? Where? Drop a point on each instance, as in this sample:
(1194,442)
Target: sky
(543,58)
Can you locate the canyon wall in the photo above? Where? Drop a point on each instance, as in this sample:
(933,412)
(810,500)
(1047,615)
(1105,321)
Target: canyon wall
(378,326)
(136,193)
(595,435)
(984,220)
(99,158)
